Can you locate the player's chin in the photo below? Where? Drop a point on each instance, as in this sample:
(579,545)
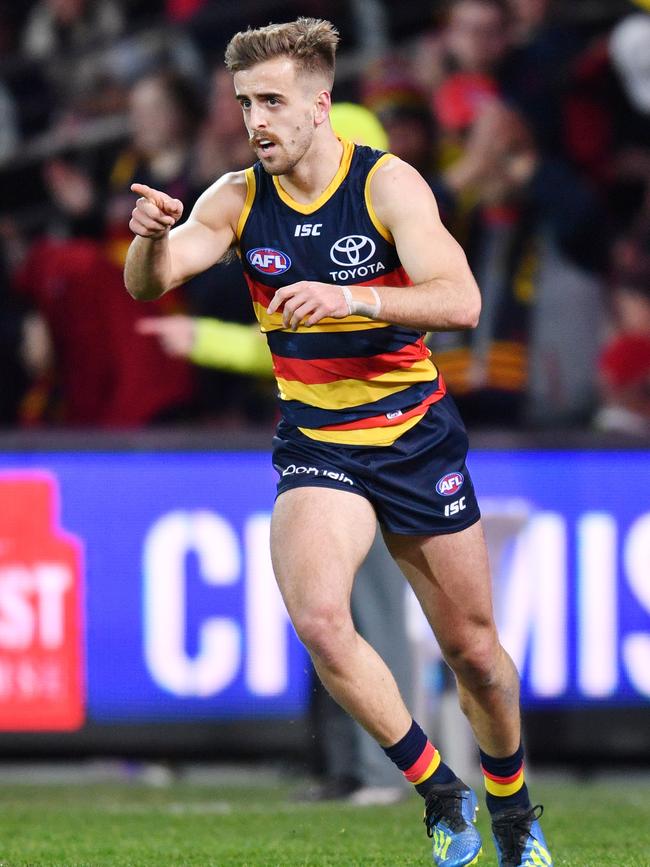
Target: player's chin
(274,164)
(274,168)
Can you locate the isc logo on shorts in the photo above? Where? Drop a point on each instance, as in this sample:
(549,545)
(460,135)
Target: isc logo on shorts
(449,484)
(269,261)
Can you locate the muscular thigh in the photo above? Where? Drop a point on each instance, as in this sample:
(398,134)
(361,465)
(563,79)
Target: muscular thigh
(450,575)
(319,538)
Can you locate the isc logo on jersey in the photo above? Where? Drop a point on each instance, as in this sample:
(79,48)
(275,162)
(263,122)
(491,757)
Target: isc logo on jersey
(269,261)
(449,484)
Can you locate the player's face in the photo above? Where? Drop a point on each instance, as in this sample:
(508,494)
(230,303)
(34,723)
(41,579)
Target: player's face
(278,107)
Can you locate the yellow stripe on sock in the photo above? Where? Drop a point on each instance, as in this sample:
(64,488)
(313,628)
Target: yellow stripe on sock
(502,790)
(433,767)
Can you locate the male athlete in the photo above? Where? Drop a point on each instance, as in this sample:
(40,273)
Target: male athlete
(348,265)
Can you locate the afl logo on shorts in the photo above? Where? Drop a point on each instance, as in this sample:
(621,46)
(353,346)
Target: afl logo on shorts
(269,261)
(450,484)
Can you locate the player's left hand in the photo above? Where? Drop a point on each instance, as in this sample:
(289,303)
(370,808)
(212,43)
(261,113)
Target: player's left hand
(308,302)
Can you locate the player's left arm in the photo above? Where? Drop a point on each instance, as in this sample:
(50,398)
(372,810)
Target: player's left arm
(444,296)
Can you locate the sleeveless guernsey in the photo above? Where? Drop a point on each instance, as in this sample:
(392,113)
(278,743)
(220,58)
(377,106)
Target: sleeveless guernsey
(353,381)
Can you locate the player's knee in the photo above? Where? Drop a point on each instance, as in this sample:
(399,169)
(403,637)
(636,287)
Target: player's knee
(325,632)
(475,662)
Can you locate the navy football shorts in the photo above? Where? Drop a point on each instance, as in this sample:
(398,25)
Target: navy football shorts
(418,486)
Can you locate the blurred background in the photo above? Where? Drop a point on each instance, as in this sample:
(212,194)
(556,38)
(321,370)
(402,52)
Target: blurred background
(138,613)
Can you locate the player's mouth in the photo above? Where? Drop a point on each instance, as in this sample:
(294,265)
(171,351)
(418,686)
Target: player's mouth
(265,146)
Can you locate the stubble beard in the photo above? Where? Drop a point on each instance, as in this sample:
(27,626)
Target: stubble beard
(285,163)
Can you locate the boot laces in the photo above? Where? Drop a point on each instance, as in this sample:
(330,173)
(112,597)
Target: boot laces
(512,830)
(445,806)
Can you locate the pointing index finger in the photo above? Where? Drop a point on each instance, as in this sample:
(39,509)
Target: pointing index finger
(147,192)
(172,207)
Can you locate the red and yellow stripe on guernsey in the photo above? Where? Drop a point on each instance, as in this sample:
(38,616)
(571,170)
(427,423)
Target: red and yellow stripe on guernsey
(425,766)
(376,430)
(261,295)
(341,383)
(503,786)
(342,393)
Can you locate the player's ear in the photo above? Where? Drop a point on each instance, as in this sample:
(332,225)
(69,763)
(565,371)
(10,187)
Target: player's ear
(322,106)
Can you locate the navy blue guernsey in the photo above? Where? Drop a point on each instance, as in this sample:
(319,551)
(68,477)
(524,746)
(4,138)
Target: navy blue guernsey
(355,380)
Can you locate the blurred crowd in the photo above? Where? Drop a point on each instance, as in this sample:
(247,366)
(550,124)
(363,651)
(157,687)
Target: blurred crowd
(530,119)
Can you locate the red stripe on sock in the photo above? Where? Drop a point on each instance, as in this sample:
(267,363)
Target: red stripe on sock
(419,767)
(503,780)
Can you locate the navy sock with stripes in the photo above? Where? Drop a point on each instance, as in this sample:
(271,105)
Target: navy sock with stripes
(504,781)
(419,761)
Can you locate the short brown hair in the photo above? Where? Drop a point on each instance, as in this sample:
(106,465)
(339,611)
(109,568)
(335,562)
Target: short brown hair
(311,42)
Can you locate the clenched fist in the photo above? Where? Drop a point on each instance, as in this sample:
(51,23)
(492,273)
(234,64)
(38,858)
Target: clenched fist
(154,213)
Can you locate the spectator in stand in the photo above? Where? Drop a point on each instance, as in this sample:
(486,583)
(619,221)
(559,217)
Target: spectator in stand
(538,75)
(516,49)
(473,40)
(624,364)
(103,365)
(527,223)
(66,39)
(400,102)
(102,374)
(460,67)
(221,144)
(57,28)
(600,96)
(531,240)
(165,113)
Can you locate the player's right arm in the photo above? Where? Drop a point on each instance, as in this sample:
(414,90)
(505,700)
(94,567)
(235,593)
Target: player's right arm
(161,257)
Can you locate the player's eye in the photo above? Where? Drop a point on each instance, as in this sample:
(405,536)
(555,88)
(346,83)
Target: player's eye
(245,103)
(273,100)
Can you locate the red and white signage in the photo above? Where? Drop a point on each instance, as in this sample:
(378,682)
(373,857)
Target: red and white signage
(41,632)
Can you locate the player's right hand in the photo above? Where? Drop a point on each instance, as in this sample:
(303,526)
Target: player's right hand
(155,213)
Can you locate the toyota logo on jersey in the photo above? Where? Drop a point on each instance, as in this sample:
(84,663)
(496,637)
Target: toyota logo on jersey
(269,261)
(352,250)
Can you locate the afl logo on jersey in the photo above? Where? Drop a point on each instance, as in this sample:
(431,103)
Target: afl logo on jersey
(352,250)
(450,484)
(269,261)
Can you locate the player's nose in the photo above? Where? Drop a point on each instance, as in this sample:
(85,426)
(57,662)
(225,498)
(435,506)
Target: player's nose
(257,118)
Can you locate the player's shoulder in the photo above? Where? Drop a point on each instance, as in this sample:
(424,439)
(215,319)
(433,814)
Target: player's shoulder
(231,184)
(396,183)
(226,195)
(393,170)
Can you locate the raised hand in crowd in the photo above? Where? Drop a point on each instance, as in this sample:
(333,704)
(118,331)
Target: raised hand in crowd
(499,155)
(176,334)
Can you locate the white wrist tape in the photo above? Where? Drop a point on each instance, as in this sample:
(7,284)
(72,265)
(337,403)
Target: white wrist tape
(362,301)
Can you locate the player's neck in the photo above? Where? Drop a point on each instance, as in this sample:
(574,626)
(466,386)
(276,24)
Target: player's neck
(316,170)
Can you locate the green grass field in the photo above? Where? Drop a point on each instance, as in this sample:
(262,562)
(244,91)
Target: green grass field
(587,825)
